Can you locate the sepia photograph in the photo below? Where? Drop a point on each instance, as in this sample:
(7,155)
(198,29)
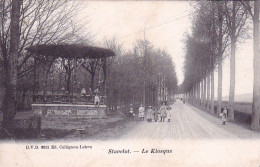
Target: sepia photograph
(131,83)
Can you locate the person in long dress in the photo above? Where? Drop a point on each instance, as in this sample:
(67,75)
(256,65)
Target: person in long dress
(149,115)
(141,113)
(163,113)
(223,116)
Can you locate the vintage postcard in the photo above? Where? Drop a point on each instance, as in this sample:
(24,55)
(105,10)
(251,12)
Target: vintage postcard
(129,83)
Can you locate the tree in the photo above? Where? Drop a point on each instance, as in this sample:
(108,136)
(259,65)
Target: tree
(112,84)
(9,107)
(127,74)
(91,66)
(256,84)
(41,22)
(235,18)
(220,56)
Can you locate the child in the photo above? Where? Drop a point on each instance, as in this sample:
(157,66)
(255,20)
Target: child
(96,100)
(149,114)
(131,113)
(169,115)
(156,115)
(141,113)
(163,112)
(223,116)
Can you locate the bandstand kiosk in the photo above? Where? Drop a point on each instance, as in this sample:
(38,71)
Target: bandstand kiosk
(68,103)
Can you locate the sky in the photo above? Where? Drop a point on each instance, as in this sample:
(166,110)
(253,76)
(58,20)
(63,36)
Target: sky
(166,24)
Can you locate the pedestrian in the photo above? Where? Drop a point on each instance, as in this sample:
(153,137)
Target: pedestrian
(169,114)
(155,115)
(163,112)
(149,115)
(131,113)
(223,116)
(83,92)
(141,113)
(96,100)
(90,92)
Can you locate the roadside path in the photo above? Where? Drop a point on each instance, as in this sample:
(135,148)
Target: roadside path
(188,123)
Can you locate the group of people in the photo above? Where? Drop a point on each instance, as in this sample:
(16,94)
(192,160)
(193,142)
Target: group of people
(163,114)
(96,95)
(152,114)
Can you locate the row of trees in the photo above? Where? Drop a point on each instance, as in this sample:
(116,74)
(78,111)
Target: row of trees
(217,28)
(133,76)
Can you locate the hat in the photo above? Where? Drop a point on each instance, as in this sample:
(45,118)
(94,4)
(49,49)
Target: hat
(150,106)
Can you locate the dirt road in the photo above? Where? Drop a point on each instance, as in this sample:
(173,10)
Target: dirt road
(188,123)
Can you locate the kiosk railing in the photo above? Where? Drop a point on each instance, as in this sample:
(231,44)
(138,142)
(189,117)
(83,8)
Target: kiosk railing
(66,99)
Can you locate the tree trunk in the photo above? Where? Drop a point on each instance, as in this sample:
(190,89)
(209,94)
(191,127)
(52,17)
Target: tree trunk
(74,78)
(197,94)
(92,81)
(68,82)
(208,92)
(34,79)
(23,99)
(144,95)
(220,24)
(189,96)
(219,84)
(45,86)
(212,92)
(115,99)
(104,67)
(9,106)
(196,91)
(205,91)
(199,98)
(232,80)
(256,87)
(193,95)
(201,94)
(232,65)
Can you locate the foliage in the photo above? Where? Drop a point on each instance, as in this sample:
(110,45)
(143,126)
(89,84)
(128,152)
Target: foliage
(137,71)
(41,22)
